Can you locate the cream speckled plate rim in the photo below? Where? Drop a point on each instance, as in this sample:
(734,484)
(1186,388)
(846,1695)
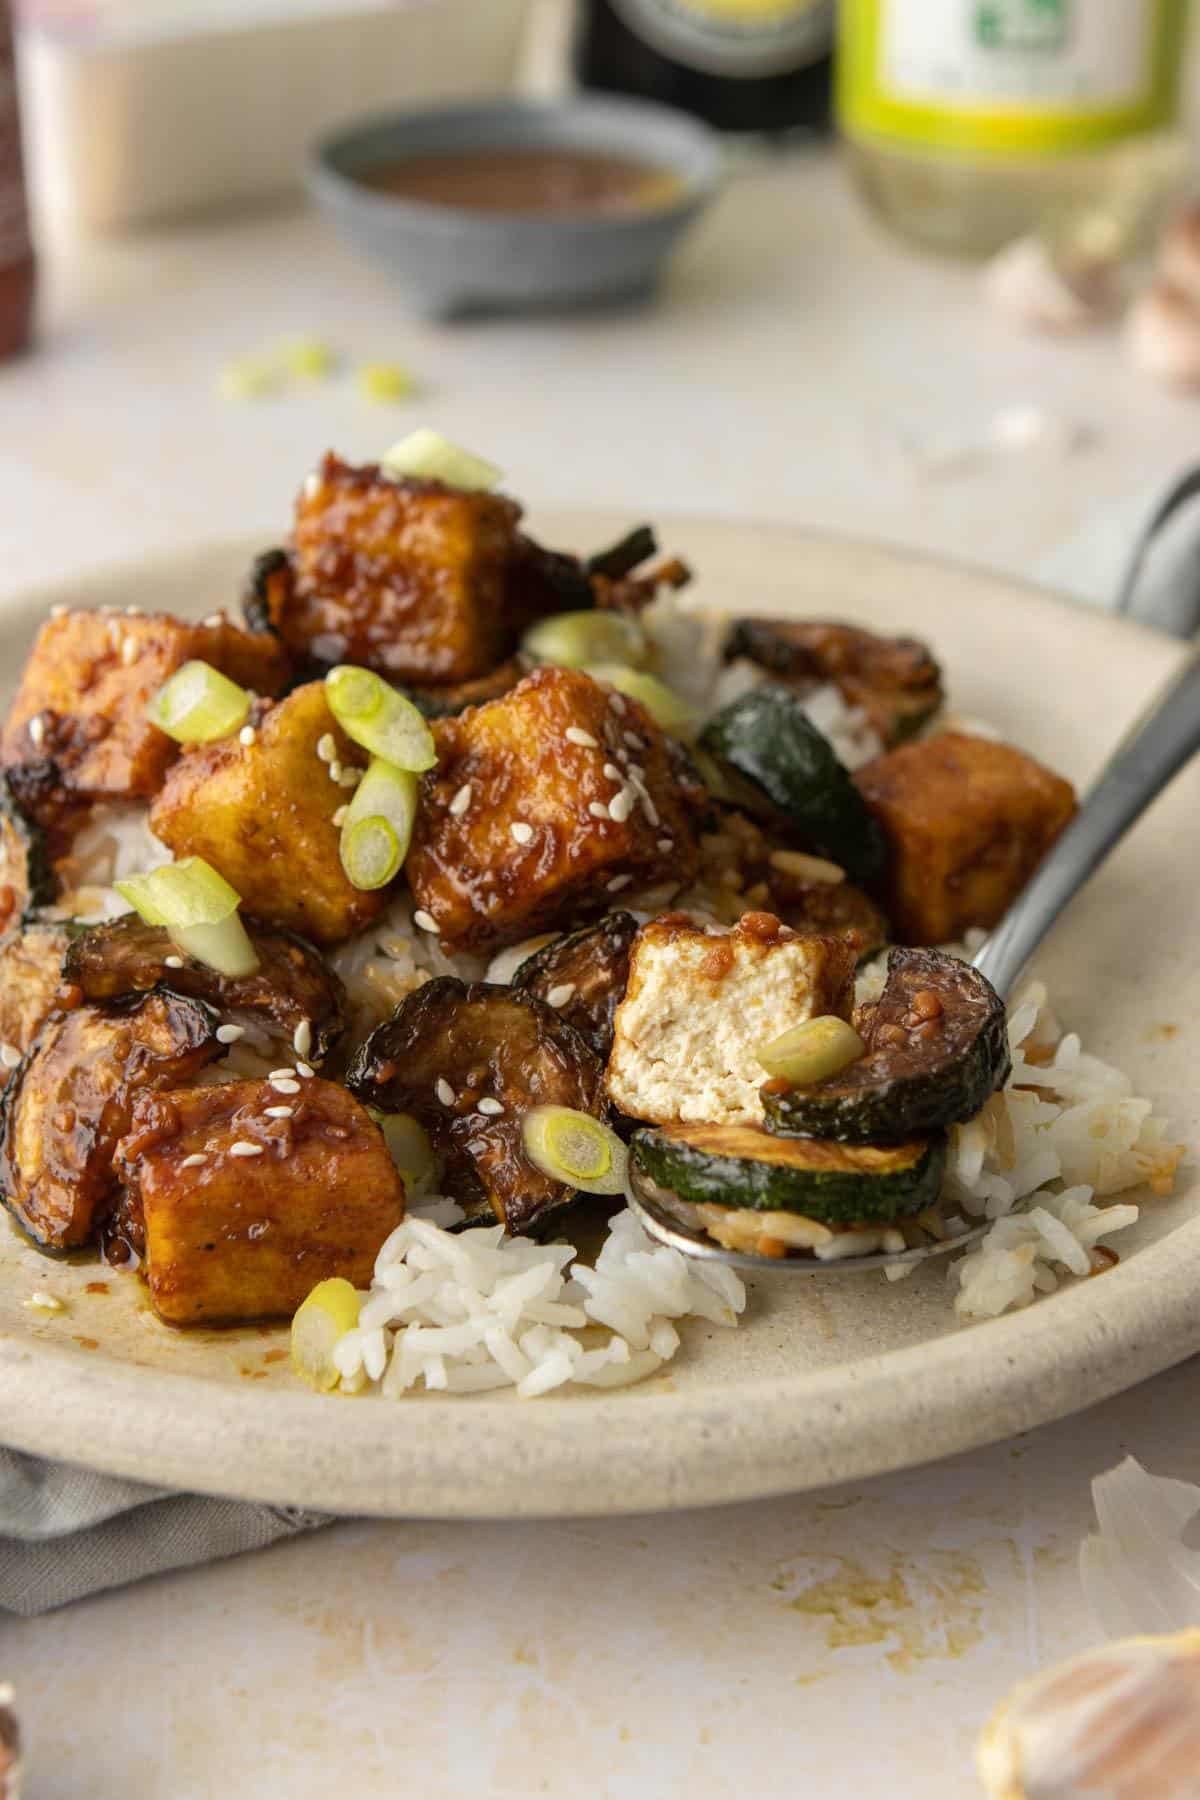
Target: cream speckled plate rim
(641,1449)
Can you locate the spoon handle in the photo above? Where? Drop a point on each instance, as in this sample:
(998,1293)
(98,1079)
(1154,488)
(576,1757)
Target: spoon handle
(1153,750)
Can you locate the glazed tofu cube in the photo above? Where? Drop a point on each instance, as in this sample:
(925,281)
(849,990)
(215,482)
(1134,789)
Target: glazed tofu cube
(544,806)
(407,577)
(968,820)
(262,814)
(244,1212)
(81,705)
(701,1003)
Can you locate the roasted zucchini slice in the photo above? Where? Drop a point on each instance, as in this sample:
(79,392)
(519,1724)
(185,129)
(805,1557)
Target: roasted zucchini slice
(26,878)
(292,987)
(937,1048)
(70,1101)
(895,681)
(766,738)
(31,961)
(468,1062)
(584,976)
(740,1165)
(265,594)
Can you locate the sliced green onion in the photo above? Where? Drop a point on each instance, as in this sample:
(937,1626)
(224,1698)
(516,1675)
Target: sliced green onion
(378,718)
(199,909)
(408,1145)
(331,1310)
(378,826)
(663,704)
(573,639)
(812,1051)
(426,455)
(573,1147)
(199,704)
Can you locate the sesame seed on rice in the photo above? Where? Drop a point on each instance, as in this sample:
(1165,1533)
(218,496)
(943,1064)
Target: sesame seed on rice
(491,1108)
(461,801)
(425,920)
(214,620)
(613,773)
(281,1074)
(306,1070)
(633,740)
(651,812)
(444,1091)
(243,1148)
(130,651)
(665,844)
(575,734)
(335,770)
(339,817)
(349,777)
(618,882)
(521,832)
(41,1301)
(284,1087)
(558,996)
(229,1034)
(617,703)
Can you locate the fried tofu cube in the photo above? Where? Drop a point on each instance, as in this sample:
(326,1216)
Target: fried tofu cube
(81,705)
(262,814)
(243,1213)
(544,806)
(968,821)
(702,1002)
(408,577)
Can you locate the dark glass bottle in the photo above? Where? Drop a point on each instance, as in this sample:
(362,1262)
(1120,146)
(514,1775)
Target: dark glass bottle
(743,65)
(16,251)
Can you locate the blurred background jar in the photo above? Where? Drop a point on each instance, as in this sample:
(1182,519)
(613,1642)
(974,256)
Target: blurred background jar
(752,66)
(16,252)
(972,123)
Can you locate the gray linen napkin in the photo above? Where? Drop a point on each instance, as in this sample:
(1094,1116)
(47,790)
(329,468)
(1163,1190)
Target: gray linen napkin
(67,1532)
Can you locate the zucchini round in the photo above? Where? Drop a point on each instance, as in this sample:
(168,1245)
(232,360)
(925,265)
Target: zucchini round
(894,680)
(26,879)
(584,976)
(766,738)
(741,1165)
(937,1049)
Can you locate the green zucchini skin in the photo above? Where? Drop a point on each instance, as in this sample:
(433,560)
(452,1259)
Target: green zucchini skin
(740,1165)
(889,1096)
(766,737)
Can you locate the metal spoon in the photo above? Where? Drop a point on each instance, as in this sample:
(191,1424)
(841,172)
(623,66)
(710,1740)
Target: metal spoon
(1154,749)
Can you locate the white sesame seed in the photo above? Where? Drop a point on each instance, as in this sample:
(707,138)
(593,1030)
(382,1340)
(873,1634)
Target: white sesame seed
(10,1056)
(133,612)
(242,1148)
(461,801)
(492,1108)
(214,620)
(425,920)
(58,612)
(327,748)
(444,1091)
(617,704)
(130,651)
(348,777)
(247,736)
(618,882)
(173,962)
(613,773)
(340,816)
(229,1034)
(575,734)
(665,844)
(280,1112)
(335,770)
(598,809)
(283,1086)
(37,729)
(651,812)
(558,996)
(41,1301)
(306,1070)
(633,740)
(521,833)
(282,1074)
(194,1161)
(302,1038)
(621,805)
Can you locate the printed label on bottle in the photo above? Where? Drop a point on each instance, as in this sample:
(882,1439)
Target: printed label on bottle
(737,38)
(1009,76)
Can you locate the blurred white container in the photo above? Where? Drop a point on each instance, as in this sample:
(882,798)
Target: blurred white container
(135,113)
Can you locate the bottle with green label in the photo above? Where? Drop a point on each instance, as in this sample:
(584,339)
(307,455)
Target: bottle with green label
(971,123)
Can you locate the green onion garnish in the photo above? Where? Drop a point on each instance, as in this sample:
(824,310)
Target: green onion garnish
(574,639)
(198,705)
(200,911)
(663,704)
(426,455)
(378,826)
(573,1147)
(377,717)
(813,1051)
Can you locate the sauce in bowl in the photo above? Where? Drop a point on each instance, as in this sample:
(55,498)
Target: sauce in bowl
(528,181)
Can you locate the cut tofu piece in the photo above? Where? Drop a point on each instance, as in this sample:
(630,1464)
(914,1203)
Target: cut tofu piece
(700,1004)
(31,963)
(968,820)
(243,1213)
(544,806)
(262,815)
(81,706)
(408,577)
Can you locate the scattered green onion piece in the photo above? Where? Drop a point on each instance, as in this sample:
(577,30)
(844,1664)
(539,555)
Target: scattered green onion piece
(225,947)
(408,1145)
(198,705)
(574,639)
(813,1051)
(385,383)
(378,826)
(427,455)
(573,1147)
(199,909)
(374,715)
(327,1314)
(661,702)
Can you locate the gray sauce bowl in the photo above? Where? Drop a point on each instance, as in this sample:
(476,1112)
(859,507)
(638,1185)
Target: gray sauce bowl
(456,261)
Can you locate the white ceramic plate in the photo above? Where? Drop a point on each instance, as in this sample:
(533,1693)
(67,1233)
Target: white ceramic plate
(827,1378)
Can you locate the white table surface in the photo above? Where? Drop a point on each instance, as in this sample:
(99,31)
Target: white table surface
(851,1641)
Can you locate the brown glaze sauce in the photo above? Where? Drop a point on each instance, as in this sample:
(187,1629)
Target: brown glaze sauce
(527,181)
